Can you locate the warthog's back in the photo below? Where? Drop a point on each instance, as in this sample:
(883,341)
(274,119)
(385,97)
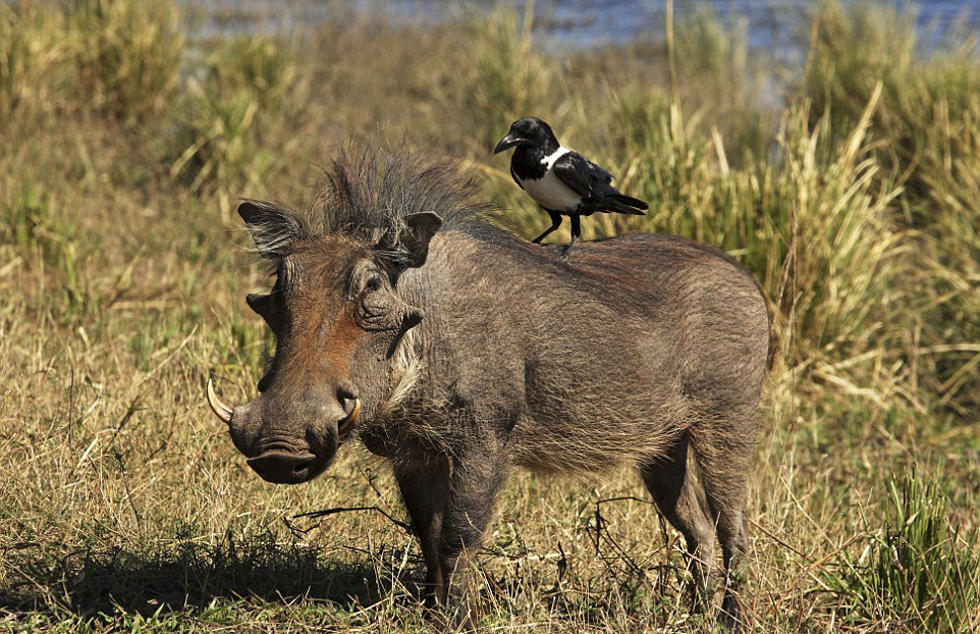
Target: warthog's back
(603,359)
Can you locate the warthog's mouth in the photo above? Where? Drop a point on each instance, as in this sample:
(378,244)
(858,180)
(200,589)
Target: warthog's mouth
(287,467)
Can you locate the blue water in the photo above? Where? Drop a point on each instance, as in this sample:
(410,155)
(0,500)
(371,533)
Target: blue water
(768,24)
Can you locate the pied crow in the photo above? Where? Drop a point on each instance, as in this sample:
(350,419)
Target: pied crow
(563,182)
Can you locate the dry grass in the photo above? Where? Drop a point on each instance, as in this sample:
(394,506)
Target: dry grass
(123,504)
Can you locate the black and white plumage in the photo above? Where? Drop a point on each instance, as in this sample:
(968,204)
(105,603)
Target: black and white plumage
(563,182)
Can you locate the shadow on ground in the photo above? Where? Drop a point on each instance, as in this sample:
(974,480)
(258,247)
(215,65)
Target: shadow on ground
(186,575)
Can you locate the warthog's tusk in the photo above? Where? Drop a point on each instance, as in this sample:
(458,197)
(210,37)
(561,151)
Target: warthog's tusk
(220,410)
(346,426)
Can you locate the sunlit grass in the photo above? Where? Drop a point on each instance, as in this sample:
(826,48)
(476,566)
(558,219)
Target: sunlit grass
(854,202)
(926,137)
(917,571)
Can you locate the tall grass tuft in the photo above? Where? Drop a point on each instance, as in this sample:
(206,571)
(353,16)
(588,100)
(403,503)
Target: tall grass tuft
(949,168)
(925,137)
(128,55)
(918,573)
(251,90)
(31,46)
(502,77)
(820,237)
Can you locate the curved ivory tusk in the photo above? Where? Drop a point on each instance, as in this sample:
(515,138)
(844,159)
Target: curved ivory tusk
(346,426)
(220,410)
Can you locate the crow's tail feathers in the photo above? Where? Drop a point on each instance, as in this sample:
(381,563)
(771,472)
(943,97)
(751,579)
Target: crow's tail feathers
(632,202)
(622,204)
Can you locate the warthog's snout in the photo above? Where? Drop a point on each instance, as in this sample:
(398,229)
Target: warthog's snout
(289,449)
(283,467)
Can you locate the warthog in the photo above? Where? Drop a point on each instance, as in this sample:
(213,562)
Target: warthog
(457,350)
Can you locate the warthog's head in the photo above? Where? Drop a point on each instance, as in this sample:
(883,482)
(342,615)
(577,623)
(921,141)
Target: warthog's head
(338,320)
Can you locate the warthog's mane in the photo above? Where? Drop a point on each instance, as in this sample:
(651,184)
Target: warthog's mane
(369,192)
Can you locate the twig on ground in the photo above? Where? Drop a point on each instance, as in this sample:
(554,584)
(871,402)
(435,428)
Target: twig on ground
(341,509)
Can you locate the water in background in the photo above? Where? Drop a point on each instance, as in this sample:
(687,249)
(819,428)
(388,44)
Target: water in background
(768,24)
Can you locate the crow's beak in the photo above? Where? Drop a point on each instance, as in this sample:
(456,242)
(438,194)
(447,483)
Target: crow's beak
(507,142)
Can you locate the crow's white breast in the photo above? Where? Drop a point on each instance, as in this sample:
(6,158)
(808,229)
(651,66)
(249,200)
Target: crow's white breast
(549,191)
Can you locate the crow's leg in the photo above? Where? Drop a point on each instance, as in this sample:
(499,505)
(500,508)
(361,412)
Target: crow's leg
(555,223)
(576,232)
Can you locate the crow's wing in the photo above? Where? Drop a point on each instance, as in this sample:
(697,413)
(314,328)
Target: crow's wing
(583,176)
(513,175)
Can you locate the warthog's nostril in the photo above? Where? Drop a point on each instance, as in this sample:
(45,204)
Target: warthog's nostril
(285,468)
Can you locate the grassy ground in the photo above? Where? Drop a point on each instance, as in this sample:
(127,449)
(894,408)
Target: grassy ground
(123,504)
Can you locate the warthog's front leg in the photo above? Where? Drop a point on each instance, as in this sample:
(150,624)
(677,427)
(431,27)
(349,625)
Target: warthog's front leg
(451,500)
(477,475)
(424,490)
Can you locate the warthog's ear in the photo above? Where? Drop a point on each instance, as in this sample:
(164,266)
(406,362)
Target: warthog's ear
(273,227)
(409,246)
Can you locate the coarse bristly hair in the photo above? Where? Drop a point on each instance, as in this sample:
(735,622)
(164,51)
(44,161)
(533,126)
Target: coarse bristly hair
(368,192)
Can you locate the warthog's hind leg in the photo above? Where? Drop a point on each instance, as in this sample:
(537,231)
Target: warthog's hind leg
(728,507)
(679,496)
(723,465)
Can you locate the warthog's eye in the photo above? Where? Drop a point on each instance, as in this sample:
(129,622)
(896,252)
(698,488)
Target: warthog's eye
(374,307)
(374,302)
(364,278)
(373,284)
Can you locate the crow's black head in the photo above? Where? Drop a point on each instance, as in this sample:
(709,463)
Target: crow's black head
(528,131)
